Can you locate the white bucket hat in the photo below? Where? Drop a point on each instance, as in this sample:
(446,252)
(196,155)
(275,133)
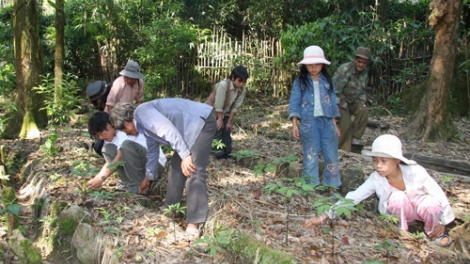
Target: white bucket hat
(313,55)
(387,146)
(132,70)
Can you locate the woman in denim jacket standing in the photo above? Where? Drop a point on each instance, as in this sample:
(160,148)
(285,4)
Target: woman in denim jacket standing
(313,103)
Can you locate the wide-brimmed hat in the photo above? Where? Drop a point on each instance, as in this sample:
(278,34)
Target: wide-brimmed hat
(313,55)
(387,146)
(363,52)
(132,70)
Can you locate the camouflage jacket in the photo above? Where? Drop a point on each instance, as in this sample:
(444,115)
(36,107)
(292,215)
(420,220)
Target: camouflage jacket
(350,88)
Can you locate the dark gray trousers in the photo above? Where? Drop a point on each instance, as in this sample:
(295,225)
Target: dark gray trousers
(224,135)
(196,189)
(134,157)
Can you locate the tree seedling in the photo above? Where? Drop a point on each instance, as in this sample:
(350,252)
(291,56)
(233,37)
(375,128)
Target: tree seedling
(213,244)
(388,246)
(176,209)
(286,192)
(344,206)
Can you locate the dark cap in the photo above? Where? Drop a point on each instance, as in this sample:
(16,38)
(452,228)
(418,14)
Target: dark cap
(363,52)
(95,90)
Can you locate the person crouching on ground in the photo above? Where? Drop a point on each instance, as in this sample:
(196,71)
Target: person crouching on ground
(405,190)
(118,147)
(313,103)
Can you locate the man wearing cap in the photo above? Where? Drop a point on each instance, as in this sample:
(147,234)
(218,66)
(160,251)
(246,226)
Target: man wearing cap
(129,87)
(350,81)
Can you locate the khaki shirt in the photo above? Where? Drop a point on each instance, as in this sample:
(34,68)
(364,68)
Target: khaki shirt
(220,98)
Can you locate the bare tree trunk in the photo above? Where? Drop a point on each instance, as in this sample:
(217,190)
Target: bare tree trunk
(59,48)
(432,120)
(28,65)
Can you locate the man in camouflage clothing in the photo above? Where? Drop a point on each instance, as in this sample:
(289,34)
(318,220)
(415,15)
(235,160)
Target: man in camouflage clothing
(350,81)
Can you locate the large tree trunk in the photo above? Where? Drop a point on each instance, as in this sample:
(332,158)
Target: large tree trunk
(381,6)
(28,65)
(432,120)
(59,48)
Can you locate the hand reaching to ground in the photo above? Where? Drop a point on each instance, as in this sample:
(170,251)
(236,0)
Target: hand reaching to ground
(314,221)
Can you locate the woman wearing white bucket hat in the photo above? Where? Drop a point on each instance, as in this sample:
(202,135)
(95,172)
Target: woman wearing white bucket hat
(128,88)
(405,190)
(313,103)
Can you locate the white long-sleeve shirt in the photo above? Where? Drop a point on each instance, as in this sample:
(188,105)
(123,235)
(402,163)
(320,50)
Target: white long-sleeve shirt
(417,180)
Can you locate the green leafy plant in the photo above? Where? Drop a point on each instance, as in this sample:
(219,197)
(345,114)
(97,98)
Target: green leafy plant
(343,206)
(212,244)
(246,153)
(217,144)
(287,191)
(84,168)
(49,147)
(389,218)
(447,178)
(61,100)
(115,165)
(176,209)
(103,194)
(373,262)
(266,167)
(388,246)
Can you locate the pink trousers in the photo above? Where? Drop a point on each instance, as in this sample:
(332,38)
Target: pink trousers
(408,208)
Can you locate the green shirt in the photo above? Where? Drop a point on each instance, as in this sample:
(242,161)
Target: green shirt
(350,87)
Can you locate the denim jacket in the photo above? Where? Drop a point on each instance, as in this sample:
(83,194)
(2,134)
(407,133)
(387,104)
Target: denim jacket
(301,102)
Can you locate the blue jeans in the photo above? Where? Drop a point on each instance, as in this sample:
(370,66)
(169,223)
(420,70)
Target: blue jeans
(319,135)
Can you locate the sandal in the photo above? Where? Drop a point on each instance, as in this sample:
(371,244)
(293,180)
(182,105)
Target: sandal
(439,241)
(192,233)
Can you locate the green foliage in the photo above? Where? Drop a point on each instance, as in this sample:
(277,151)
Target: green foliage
(387,245)
(395,105)
(115,165)
(103,195)
(344,206)
(245,153)
(447,178)
(217,144)
(212,244)
(285,191)
(373,262)
(266,167)
(389,218)
(176,208)
(166,38)
(84,168)
(49,147)
(11,208)
(59,101)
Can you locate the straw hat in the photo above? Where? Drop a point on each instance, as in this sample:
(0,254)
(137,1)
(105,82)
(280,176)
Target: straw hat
(313,55)
(132,70)
(387,146)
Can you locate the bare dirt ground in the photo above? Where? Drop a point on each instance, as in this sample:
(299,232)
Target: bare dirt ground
(132,233)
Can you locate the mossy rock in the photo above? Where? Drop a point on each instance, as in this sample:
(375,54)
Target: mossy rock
(69,219)
(251,249)
(24,249)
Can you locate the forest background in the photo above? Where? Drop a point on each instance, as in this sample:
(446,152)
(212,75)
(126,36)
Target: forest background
(185,46)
